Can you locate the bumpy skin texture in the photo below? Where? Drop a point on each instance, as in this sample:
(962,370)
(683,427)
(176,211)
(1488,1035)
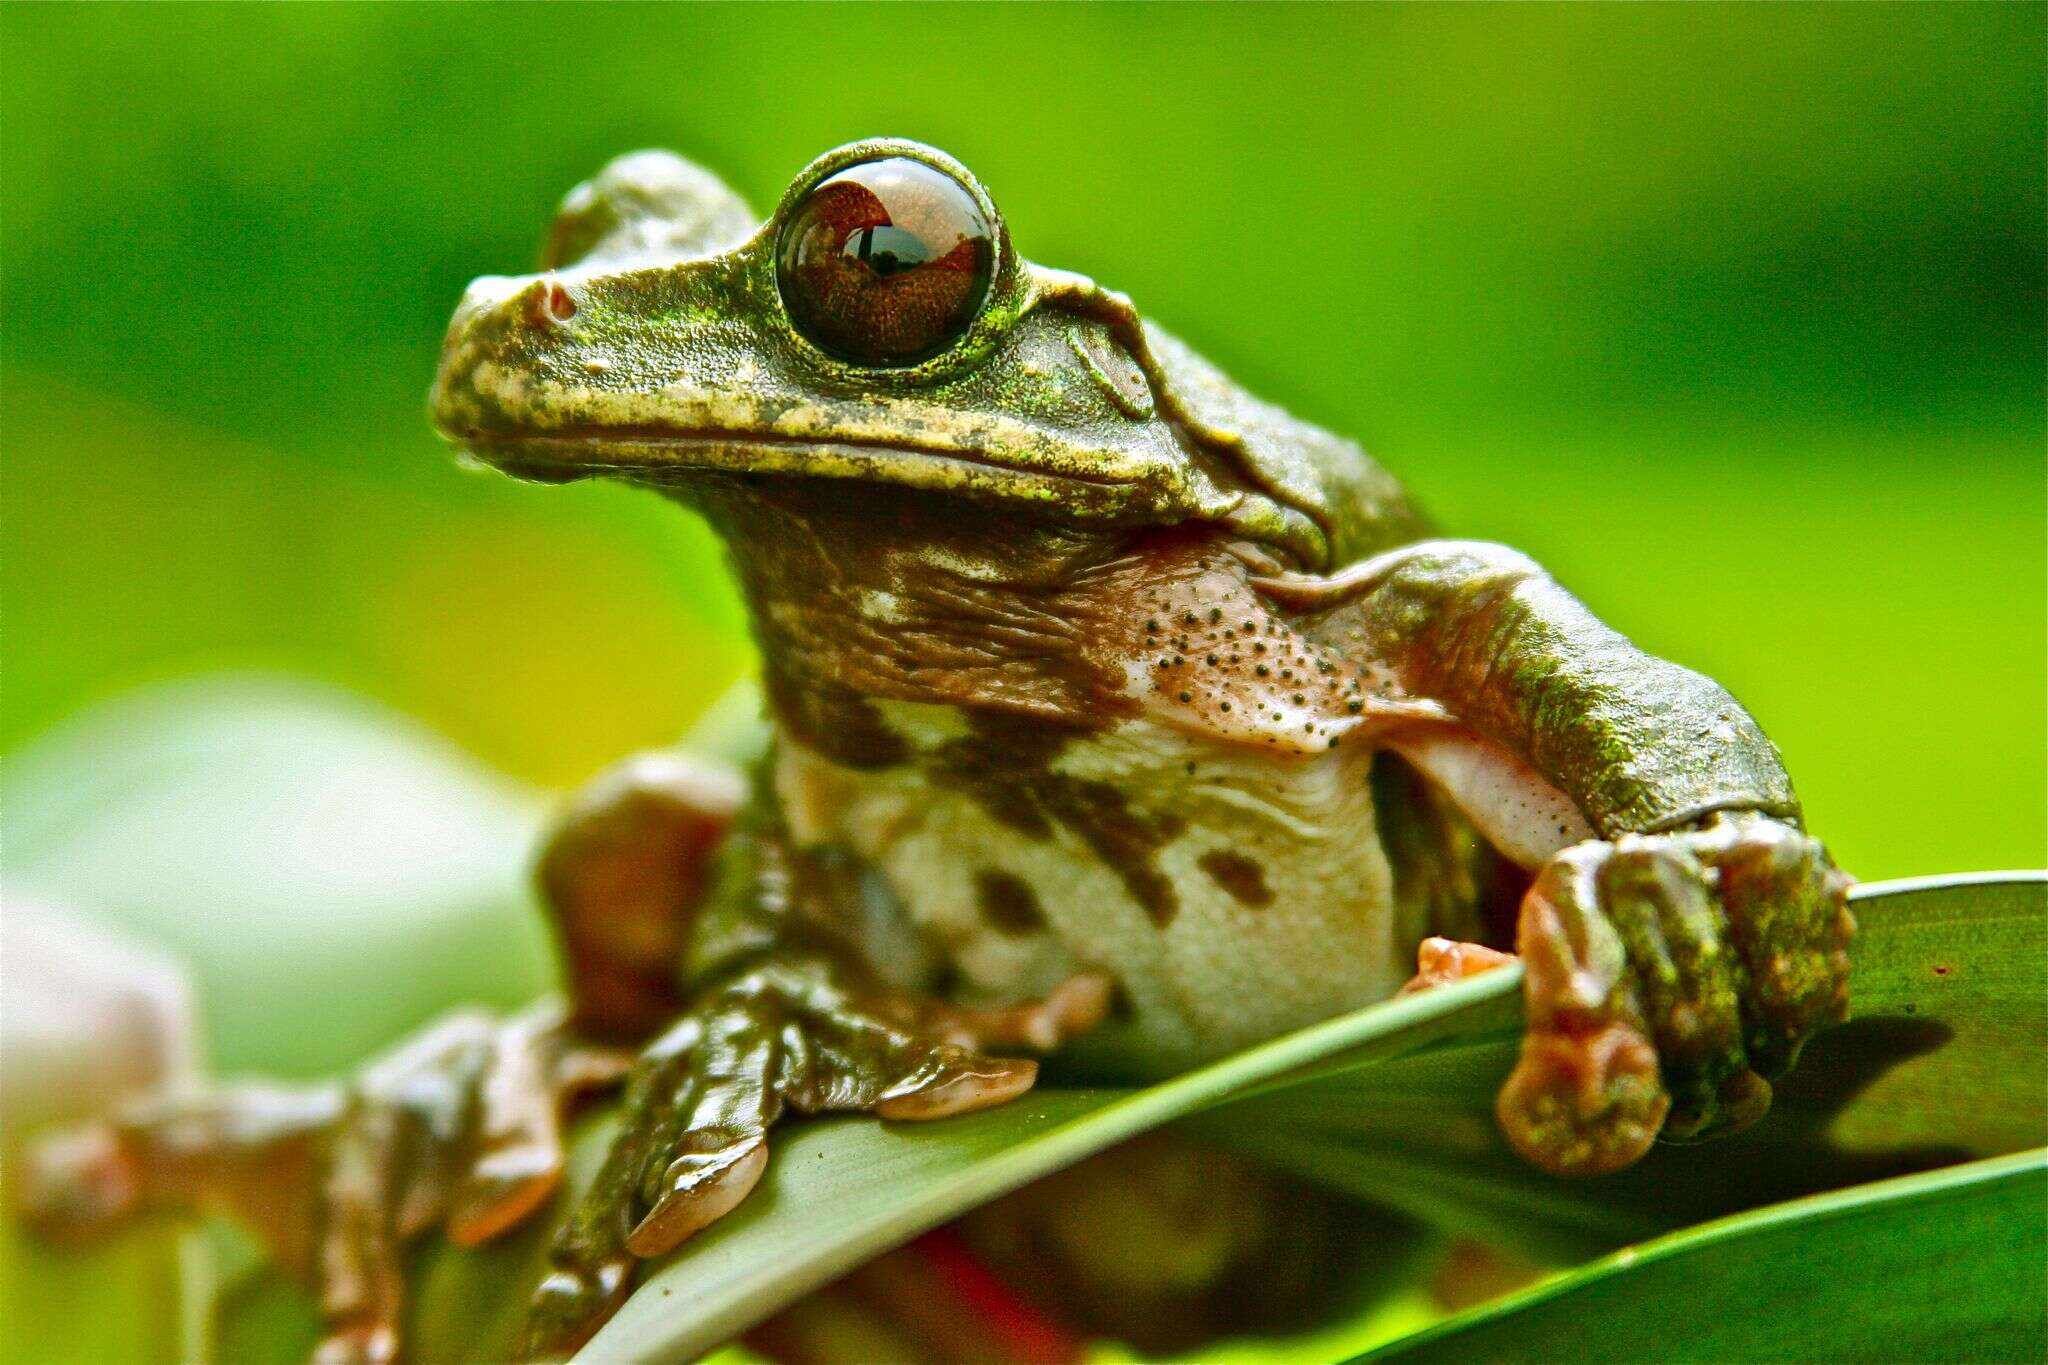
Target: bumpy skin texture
(1116,713)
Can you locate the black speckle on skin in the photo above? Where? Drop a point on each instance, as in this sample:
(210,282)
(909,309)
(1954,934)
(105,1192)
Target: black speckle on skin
(1007,904)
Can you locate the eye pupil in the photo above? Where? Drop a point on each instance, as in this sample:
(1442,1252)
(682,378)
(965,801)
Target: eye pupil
(886,263)
(887,249)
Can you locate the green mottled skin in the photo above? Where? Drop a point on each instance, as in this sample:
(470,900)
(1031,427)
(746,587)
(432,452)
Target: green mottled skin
(1116,713)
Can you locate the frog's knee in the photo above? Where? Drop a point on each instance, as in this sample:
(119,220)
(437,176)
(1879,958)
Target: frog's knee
(622,872)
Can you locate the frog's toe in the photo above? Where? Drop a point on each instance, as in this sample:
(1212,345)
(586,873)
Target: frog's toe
(1657,894)
(1067,1011)
(700,1188)
(76,1184)
(1441,961)
(571,1304)
(534,1074)
(1585,1096)
(1789,924)
(955,1081)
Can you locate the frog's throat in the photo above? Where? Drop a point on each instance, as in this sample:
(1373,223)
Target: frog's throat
(663,457)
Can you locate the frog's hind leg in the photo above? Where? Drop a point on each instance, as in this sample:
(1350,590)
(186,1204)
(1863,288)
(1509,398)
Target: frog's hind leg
(458,1127)
(623,871)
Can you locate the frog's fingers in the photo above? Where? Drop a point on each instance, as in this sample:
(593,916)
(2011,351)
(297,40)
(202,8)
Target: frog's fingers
(591,1271)
(517,1133)
(1686,981)
(1585,1097)
(734,1094)
(861,1061)
(1070,1009)
(362,1286)
(951,1080)
(1789,923)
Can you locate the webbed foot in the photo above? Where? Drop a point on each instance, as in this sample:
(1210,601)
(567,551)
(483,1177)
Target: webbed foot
(1670,978)
(693,1139)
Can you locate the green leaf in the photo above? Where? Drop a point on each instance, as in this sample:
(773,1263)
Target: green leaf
(1951,1265)
(1945,1063)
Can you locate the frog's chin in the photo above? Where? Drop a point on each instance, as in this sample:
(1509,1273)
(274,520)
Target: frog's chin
(671,459)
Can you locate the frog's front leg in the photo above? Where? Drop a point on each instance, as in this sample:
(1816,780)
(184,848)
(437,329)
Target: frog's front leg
(786,1015)
(1682,935)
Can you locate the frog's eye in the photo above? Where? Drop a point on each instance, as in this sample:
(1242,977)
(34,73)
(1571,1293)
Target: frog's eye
(885,263)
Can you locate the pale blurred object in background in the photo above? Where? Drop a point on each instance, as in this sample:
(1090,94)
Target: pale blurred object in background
(87,1015)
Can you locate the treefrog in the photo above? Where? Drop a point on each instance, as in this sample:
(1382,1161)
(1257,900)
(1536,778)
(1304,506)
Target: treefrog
(1116,715)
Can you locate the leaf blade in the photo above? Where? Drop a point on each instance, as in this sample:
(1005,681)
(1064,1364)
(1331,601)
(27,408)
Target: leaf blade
(1950,1265)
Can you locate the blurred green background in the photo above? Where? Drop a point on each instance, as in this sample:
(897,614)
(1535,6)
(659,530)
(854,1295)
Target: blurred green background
(1732,316)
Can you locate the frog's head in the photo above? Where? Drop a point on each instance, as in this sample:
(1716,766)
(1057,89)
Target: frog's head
(879,326)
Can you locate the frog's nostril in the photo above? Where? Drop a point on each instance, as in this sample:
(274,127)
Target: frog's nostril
(548,303)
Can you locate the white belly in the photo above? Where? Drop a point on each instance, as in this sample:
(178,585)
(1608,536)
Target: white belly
(1264,903)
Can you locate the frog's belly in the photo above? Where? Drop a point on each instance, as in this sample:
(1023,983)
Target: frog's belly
(1242,900)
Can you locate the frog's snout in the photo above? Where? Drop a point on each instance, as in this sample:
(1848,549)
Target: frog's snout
(505,330)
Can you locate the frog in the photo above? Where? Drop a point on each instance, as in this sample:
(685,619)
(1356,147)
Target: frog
(1116,720)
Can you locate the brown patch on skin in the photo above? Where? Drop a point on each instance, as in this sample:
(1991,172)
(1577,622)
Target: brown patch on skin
(1201,651)
(861,591)
(1005,764)
(1007,903)
(1128,841)
(1244,879)
(843,726)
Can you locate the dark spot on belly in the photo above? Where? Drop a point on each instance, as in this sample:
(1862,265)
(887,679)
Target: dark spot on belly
(1007,903)
(1244,879)
(1005,763)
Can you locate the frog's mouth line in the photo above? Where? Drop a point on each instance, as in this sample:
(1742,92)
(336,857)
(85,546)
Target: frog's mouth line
(651,455)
